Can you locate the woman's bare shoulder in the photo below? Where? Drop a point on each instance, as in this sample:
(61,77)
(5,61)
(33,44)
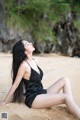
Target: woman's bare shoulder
(25,65)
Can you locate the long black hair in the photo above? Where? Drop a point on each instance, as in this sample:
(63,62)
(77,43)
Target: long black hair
(19,56)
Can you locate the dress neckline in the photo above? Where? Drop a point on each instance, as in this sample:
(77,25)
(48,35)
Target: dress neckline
(35,70)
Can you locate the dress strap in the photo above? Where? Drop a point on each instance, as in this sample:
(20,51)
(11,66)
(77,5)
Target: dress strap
(28,63)
(35,61)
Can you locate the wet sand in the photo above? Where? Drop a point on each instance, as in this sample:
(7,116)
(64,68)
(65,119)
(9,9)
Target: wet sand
(54,67)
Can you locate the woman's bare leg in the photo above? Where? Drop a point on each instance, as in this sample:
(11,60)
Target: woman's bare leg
(48,100)
(63,83)
(72,107)
(53,97)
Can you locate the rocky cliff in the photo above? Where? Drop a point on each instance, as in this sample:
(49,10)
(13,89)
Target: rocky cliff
(66,34)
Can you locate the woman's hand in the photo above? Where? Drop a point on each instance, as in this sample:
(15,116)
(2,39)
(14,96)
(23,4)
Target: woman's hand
(2,103)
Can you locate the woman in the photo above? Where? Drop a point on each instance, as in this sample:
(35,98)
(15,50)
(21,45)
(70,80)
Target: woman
(27,76)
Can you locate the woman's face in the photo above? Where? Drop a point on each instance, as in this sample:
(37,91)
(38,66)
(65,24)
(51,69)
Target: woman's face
(28,46)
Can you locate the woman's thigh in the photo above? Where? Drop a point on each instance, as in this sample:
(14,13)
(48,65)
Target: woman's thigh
(57,86)
(48,100)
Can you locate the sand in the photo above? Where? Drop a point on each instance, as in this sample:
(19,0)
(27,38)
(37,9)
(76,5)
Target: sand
(54,67)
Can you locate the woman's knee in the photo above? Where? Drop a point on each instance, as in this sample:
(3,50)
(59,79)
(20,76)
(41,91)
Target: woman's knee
(65,79)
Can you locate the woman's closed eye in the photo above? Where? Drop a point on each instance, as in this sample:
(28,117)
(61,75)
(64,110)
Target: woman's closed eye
(26,44)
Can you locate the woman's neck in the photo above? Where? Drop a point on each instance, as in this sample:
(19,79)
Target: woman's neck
(29,57)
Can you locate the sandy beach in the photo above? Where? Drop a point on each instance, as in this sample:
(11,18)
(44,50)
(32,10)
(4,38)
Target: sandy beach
(54,67)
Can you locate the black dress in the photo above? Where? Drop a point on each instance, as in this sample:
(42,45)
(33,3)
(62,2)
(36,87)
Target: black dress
(33,86)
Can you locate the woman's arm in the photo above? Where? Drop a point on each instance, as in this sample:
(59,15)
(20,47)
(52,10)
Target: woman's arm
(19,76)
